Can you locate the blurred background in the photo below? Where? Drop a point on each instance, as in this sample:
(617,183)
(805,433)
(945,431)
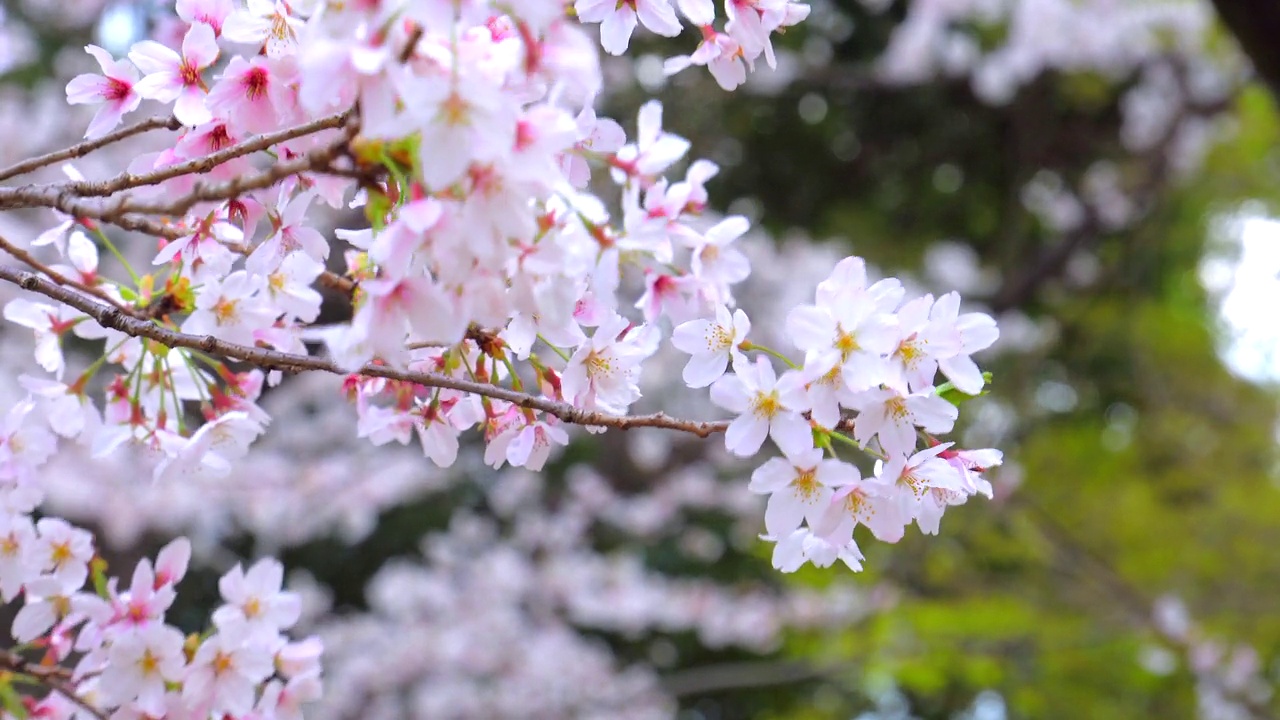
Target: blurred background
(1100,175)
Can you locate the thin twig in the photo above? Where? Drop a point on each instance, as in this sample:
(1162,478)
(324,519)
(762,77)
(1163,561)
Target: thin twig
(55,677)
(61,279)
(81,149)
(237,186)
(110,317)
(727,676)
(43,194)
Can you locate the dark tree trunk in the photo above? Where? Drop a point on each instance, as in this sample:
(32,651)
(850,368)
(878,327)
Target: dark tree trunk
(1256,24)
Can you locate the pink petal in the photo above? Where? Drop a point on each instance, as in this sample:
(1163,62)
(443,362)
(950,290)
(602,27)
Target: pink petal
(199,47)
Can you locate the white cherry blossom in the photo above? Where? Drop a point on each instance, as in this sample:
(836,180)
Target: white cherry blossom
(767,406)
(710,344)
(799,486)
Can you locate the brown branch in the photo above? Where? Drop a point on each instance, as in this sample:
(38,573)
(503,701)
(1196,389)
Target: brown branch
(110,317)
(63,280)
(81,149)
(1152,175)
(49,194)
(128,214)
(55,677)
(235,187)
(739,675)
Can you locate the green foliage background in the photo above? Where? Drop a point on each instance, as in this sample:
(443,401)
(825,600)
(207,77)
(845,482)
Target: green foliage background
(1044,596)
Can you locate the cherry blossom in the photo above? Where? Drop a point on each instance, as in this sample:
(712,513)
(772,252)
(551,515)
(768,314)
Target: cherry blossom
(618,20)
(799,488)
(654,150)
(892,418)
(115,87)
(977,332)
(251,95)
(265,23)
(803,546)
(225,670)
(768,406)
(210,12)
(175,78)
(25,444)
(141,661)
(492,290)
(254,599)
(49,322)
(711,343)
(720,53)
(64,551)
(604,370)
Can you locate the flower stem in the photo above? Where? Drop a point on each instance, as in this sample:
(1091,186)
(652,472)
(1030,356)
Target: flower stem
(747,346)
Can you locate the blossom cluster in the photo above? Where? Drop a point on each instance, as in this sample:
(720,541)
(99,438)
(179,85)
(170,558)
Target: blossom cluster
(128,658)
(491,288)
(484,244)
(870,365)
(526,605)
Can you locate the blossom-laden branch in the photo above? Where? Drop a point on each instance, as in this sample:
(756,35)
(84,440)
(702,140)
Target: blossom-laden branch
(42,194)
(476,185)
(67,196)
(109,316)
(55,677)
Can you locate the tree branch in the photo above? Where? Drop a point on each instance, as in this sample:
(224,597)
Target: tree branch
(81,149)
(125,181)
(55,677)
(1256,25)
(739,675)
(111,317)
(63,280)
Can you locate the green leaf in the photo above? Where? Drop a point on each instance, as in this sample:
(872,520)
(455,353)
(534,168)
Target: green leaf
(98,571)
(947,391)
(11,700)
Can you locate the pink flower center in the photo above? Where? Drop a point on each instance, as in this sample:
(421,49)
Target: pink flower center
(189,73)
(218,138)
(255,83)
(117,89)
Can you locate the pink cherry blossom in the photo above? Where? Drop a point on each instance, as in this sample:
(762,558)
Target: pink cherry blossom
(602,374)
(977,332)
(803,545)
(63,550)
(115,87)
(289,235)
(210,12)
(225,671)
(893,418)
(654,150)
(140,662)
(264,23)
(251,95)
(170,76)
(720,53)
